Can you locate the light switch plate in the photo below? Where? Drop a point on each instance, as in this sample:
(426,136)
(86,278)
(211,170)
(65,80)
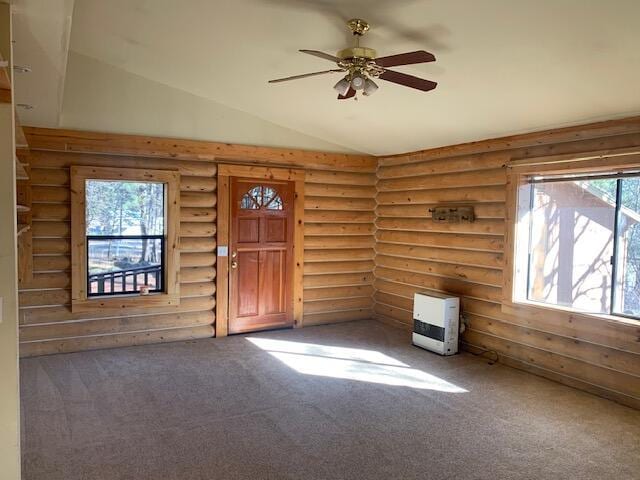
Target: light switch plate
(223,251)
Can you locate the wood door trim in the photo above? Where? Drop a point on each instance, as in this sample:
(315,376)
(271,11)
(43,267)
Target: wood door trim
(265,173)
(224,212)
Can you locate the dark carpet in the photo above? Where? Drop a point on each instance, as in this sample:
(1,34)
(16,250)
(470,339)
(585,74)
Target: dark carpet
(347,401)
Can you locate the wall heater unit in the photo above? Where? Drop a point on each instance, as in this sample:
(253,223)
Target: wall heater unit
(436,322)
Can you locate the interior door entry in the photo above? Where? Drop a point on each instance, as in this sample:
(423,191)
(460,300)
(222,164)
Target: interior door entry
(261,255)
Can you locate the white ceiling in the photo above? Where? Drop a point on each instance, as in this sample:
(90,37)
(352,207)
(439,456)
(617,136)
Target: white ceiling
(41,30)
(503,67)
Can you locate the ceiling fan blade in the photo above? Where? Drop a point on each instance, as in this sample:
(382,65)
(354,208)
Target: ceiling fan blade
(408,58)
(350,93)
(304,75)
(326,56)
(408,80)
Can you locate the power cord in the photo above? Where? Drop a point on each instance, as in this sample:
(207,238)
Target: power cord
(464,323)
(482,354)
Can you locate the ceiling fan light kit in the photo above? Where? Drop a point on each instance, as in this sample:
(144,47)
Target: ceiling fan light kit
(361,65)
(370,87)
(357,81)
(343,85)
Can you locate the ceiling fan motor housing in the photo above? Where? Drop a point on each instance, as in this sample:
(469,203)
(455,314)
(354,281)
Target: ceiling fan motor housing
(357,52)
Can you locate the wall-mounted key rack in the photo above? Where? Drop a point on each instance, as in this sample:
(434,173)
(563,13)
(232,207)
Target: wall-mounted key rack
(452,214)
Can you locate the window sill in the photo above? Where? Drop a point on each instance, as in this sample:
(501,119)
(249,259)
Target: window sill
(533,309)
(118,303)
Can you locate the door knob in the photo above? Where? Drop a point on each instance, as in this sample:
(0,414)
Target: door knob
(234,264)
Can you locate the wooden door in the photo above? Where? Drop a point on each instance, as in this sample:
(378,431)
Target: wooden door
(261,255)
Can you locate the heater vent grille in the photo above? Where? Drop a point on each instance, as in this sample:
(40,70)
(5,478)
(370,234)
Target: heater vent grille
(428,330)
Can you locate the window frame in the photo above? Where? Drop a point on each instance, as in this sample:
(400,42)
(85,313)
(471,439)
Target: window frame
(170,297)
(161,267)
(515,293)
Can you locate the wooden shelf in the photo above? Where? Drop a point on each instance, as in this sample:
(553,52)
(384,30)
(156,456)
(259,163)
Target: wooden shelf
(21,171)
(5,97)
(22,228)
(5,83)
(21,139)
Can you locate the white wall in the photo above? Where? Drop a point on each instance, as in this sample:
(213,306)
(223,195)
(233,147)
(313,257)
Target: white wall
(9,385)
(102,98)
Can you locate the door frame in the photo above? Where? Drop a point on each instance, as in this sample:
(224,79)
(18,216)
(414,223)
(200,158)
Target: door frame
(225,171)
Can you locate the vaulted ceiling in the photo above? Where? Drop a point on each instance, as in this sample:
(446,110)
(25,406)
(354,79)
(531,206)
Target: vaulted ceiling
(199,68)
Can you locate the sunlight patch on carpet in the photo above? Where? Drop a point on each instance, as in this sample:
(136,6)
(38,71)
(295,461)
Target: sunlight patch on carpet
(352,364)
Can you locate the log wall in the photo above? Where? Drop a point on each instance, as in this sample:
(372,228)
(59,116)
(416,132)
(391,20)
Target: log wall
(339,245)
(339,249)
(415,254)
(47,324)
(369,245)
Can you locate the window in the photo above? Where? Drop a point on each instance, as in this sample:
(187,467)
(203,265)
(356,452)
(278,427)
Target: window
(581,241)
(261,197)
(124,229)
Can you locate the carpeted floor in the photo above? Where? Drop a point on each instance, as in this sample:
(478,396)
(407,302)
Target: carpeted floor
(360,404)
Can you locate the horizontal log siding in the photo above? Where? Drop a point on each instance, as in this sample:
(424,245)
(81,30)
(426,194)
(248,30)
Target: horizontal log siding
(365,235)
(47,324)
(339,254)
(415,254)
(339,240)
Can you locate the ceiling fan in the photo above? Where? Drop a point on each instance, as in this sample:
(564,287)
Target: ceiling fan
(361,65)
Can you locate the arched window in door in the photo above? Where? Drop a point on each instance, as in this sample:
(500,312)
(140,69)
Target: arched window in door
(261,197)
